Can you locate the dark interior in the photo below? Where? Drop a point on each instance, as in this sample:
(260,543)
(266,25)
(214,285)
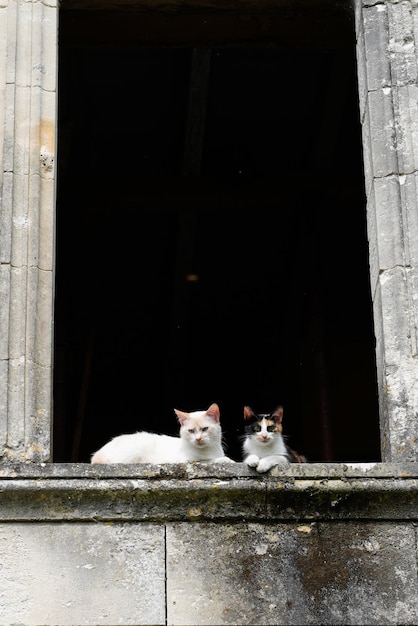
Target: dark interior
(211,225)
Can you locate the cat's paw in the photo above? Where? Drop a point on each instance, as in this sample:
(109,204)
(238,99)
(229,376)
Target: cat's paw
(252,460)
(223,459)
(270,461)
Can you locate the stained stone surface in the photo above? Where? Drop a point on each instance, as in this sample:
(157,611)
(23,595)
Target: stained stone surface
(316,573)
(82,573)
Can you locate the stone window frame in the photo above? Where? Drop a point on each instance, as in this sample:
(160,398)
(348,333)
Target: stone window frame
(388,91)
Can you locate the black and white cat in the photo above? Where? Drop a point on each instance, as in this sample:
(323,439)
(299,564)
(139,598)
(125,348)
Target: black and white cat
(263,443)
(200,439)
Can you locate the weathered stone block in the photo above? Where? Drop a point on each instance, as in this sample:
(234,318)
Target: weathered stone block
(291,574)
(376,37)
(82,574)
(382,132)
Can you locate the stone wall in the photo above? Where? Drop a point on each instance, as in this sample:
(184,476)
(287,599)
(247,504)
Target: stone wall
(387,63)
(195,544)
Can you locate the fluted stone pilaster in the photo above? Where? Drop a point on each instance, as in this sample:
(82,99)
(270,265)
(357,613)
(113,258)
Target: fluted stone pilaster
(28,32)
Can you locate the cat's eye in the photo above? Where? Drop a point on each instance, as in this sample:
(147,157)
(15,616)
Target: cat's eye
(191,431)
(204,429)
(271,428)
(256,428)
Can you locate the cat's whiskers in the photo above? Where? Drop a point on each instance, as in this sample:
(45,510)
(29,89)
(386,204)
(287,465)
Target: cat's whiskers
(210,444)
(223,441)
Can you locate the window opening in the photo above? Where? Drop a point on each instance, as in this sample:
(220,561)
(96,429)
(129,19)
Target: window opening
(211,237)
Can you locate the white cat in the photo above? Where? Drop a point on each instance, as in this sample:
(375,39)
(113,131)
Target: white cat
(264,446)
(200,439)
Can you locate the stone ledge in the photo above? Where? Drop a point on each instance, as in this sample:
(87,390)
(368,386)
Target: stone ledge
(198,492)
(68,471)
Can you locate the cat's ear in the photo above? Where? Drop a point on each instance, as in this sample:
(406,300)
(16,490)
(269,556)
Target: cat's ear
(277,414)
(214,412)
(248,413)
(181,416)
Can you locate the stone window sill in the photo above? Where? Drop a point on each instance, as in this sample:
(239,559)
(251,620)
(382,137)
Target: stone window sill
(198,492)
